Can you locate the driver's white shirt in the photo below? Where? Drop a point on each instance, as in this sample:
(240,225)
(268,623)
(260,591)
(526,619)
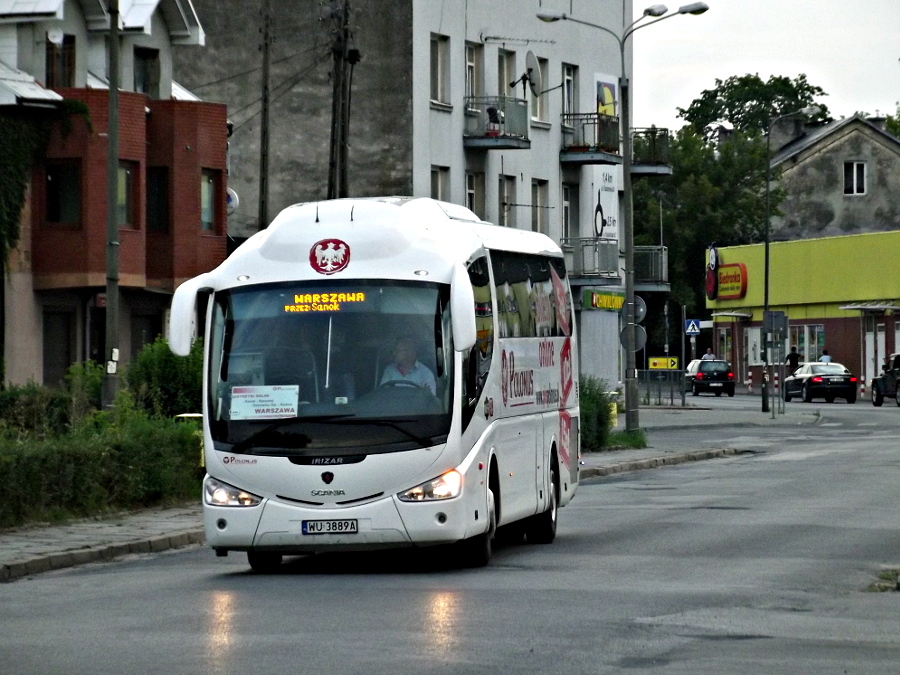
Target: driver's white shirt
(418,374)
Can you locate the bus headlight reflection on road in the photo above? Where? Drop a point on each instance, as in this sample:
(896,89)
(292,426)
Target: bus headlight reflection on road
(218,493)
(443,487)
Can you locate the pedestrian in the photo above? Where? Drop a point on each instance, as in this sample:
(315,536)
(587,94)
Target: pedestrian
(825,358)
(793,359)
(708,356)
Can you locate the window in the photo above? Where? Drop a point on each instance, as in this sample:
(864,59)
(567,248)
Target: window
(854,178)
(157,199)
(526,289)
(209,185)
(474,70)
(127,198)
(568,89)
(440,76)
(507,198)
(539,206)
(538,102)
(506,72)
(566,216)
(146,71)
(440,183)
(62,190)
(475,193)
(60,63)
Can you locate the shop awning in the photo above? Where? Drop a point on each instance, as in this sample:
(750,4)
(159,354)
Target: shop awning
(18,88)
(733,315)
(873,306)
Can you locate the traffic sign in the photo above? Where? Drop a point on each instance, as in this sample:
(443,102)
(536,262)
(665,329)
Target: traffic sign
(663,363)
(691,327)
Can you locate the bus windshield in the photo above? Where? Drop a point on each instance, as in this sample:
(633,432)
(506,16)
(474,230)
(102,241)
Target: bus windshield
(331,368)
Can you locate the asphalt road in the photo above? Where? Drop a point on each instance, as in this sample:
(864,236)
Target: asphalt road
(757,563)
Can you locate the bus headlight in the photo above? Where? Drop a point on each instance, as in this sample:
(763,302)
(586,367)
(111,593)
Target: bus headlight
(218,493)
(447,486)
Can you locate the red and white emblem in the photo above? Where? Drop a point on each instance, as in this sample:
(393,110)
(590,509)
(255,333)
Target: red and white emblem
(329,256)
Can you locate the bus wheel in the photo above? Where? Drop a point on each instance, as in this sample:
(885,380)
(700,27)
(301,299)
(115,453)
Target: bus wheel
(477,551)
(541,529)
(263,561)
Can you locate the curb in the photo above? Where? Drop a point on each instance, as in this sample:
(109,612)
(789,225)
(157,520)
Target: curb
(56,561)
(654,462)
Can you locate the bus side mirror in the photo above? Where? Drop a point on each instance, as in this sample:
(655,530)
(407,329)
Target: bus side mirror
(182,314)
(462,309)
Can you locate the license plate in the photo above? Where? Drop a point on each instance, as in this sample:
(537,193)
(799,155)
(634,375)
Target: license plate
(715,384)
(330,526)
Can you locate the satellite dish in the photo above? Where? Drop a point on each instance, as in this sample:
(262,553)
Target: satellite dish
(533,73)
(55,35)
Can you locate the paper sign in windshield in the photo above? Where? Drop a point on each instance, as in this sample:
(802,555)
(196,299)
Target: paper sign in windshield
(264,402)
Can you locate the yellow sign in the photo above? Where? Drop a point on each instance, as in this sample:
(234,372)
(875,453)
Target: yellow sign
(664,363)
(323,302)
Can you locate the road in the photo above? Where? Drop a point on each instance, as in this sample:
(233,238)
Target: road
(758,563)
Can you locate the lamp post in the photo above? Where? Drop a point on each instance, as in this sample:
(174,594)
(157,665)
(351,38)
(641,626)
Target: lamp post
(807,112)
(631,384)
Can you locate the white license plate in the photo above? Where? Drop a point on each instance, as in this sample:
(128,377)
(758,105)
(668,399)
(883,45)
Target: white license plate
(349,526)
(715,384)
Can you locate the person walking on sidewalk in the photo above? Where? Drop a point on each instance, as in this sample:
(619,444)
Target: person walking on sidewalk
(793,359)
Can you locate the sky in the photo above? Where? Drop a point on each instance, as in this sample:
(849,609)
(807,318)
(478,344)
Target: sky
(849,48)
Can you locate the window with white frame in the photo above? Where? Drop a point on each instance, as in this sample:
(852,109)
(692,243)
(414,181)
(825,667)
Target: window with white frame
(440,70)
(475,193)
(506,72)
(569,80)
(507,198)
(440,183)
(566,214)
(538,102)
(539,206)
(854,178)
(474,69)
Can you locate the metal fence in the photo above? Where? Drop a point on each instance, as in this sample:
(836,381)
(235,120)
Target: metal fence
(661,387)
(496,116)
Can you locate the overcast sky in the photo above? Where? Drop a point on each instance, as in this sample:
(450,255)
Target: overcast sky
(849,48)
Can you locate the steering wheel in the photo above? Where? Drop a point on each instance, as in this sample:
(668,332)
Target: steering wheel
(398,383)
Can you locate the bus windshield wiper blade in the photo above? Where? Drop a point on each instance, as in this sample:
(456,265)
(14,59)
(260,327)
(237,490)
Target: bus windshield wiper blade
(247,443)
(394,424)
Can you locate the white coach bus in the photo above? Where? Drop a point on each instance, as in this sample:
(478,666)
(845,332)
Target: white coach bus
(384,373)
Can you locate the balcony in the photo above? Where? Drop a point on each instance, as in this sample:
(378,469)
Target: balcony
(591,257)
(496,123)
(651,268)
(590,138)
(650,152)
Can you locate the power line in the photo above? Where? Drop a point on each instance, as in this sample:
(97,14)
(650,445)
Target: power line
(253,70)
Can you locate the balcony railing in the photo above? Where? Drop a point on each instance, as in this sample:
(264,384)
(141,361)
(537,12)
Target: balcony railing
(651,265)
(591,256)
(650,146)
(590,132)
(496,118)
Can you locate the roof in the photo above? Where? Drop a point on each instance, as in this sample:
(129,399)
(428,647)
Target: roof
(815,134)
(18,88)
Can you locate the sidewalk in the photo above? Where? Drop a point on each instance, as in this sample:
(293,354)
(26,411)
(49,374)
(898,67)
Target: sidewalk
(31,550)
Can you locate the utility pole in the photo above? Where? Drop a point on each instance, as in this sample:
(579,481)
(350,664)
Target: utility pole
(342,72)
(111,377)
(264,128)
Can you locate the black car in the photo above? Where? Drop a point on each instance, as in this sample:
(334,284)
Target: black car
(711,375)
(821,380)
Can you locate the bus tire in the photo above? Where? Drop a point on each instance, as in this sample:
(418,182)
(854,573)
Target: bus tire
(541,529)
(477,551)
(264,562)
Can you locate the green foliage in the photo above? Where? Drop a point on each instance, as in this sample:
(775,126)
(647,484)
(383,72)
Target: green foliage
(165,384)
(594,401)
(628,439)
(748,103)
(892,124)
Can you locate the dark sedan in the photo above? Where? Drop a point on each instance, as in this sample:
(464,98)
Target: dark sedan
(821,380)
(715,376)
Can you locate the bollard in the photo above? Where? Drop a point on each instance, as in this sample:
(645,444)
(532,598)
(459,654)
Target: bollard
(862,387)
(750,382)
(776,381)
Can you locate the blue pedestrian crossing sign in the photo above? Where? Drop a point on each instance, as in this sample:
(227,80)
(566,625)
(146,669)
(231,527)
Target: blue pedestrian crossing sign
(691,327)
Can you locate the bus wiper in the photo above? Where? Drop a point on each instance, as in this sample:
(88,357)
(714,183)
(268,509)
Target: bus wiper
(394,424)
(252,439)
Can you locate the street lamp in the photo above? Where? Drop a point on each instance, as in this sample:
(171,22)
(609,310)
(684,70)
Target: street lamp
(631,384)
(809,111)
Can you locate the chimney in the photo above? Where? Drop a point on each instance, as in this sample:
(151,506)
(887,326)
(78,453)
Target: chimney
(879,121)
(786,130)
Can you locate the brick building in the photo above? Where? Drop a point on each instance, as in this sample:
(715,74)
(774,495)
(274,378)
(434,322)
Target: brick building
(171,173)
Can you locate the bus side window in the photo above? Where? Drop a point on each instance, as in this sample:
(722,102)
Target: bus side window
(477,363)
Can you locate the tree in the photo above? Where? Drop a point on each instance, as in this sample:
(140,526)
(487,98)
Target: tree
(892,124)
(748,104)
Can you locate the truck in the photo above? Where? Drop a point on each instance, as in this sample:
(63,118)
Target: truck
(885,385)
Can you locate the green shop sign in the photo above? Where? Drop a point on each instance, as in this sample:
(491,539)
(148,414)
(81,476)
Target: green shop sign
(609,301)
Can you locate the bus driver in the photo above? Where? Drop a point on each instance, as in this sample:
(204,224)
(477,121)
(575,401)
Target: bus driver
(407,368)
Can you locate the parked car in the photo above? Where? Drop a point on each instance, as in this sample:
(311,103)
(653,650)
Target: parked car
(715,376)
(821,380)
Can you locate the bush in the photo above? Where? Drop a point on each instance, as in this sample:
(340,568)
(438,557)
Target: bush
(594,401)
(164,384)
